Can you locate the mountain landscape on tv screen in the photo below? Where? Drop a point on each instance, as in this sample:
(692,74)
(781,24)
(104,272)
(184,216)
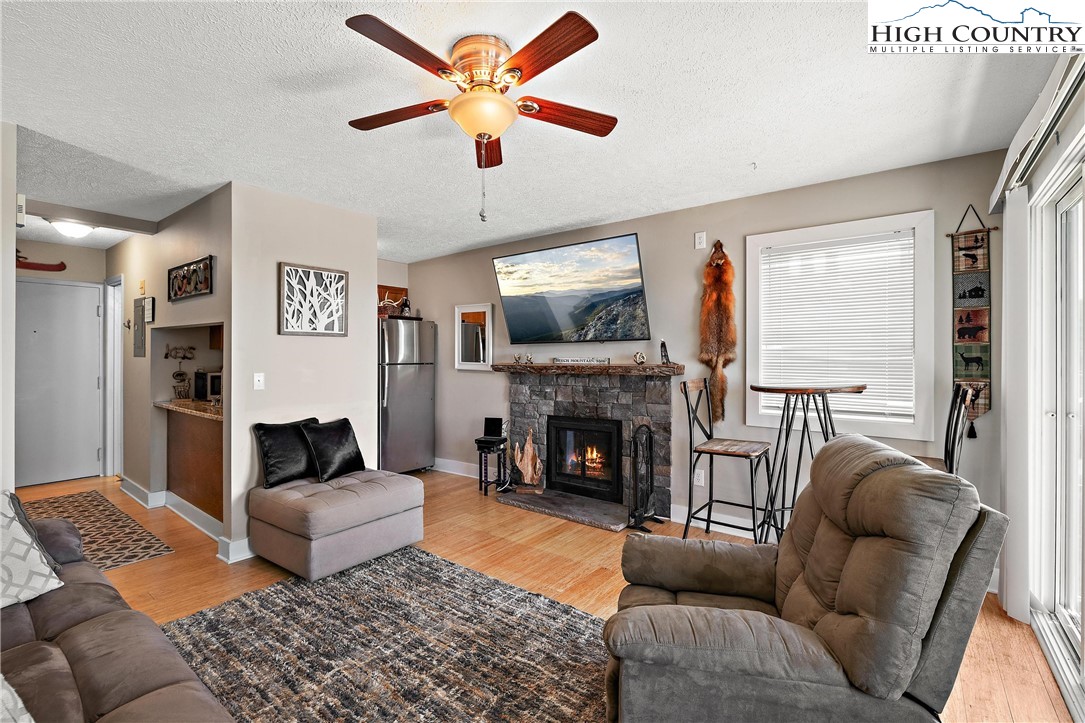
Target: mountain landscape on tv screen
(605,315)
(589,291)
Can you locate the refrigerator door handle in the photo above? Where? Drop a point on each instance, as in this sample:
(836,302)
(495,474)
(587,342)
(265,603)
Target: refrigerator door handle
(384,346)
(384,387)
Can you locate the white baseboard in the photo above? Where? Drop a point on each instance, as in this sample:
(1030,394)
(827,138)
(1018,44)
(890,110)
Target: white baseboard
(454,466)
(231,551)
(994,583)
(199,519)
(141,495)
(678,514)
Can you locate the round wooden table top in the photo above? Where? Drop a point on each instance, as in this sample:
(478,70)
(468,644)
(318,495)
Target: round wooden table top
(809,388)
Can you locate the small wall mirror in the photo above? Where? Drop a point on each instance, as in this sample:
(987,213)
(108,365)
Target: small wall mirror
(474,336)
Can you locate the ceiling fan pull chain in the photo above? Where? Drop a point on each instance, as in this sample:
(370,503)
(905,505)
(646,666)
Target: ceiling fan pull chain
(482,211)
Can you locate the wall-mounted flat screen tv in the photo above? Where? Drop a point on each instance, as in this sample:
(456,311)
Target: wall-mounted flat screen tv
(591,291)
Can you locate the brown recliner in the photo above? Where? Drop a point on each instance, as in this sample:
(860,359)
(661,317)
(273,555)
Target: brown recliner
(863,611)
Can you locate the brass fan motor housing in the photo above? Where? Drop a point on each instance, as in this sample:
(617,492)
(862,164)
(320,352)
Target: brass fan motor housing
(478,57)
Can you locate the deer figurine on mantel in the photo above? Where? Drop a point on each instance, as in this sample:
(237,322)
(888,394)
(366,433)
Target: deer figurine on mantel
(530,466)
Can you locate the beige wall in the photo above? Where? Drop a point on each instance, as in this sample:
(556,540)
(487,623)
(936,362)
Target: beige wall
(197,230)
(391,273)
(305,376)
(82,264)
(7,306)
(672,277)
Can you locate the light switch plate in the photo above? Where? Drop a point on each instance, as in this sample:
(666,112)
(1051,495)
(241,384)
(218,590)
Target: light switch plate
(258,381)
(700,240)
(142,287)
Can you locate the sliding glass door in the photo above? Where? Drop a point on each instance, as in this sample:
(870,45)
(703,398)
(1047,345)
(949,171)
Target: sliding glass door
(1070,359)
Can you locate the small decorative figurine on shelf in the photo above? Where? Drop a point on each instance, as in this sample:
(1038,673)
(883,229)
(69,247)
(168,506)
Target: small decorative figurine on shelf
(516,358)
(639,358)
(664,357)
(528,359)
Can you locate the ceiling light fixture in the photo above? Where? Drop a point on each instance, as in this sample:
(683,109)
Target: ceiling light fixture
(72,229)
(482,112)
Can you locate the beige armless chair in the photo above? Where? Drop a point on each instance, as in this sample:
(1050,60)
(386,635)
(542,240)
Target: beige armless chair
(862,612)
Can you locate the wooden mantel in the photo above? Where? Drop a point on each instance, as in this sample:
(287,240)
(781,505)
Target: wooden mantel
(639,370)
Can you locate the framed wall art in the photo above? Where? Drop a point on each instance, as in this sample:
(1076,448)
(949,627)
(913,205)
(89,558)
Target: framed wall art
(312,300)
(192,279)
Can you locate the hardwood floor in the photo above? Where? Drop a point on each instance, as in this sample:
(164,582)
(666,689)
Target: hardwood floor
(1004,676)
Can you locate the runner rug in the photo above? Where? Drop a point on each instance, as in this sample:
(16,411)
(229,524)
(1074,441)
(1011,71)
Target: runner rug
(110,537)
(408,636)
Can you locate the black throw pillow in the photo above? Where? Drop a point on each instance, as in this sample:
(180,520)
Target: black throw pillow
(284,452)
(334,447)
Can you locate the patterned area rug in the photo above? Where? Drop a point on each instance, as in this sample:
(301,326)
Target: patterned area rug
(110,537)
(407,636)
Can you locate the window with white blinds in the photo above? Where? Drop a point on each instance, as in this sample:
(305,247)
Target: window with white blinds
(844,310)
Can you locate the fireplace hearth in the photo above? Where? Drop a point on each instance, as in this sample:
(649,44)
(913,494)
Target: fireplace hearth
(585,457)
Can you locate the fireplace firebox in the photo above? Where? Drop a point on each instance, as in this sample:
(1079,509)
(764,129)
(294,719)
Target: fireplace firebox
(584,457)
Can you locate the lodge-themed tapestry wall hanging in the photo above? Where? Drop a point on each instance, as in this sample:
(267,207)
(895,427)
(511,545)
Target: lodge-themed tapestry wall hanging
(719,338)
(972,314)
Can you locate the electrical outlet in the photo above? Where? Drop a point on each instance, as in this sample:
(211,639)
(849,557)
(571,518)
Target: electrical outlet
(258,381)
(698,478)
(700,240)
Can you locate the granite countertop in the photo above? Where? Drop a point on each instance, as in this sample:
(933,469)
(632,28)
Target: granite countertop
(193,407)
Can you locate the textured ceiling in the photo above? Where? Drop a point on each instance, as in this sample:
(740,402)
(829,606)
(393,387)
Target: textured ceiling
(138,108)
(38,229)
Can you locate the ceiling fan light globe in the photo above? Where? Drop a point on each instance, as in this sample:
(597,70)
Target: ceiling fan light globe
(482,112)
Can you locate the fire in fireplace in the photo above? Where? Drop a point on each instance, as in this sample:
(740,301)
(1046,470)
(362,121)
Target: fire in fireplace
(585,457)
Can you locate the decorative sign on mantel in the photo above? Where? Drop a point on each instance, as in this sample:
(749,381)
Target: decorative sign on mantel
(581,360)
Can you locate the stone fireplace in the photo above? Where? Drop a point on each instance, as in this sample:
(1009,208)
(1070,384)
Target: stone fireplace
(618,398)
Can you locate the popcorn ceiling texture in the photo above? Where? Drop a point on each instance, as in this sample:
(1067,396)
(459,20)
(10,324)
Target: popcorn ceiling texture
(140,108)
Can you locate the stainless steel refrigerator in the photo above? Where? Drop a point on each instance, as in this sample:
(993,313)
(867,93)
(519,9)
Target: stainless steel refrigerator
(406,377)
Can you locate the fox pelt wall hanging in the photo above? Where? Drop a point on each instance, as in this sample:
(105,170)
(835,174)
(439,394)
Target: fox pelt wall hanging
(718,336)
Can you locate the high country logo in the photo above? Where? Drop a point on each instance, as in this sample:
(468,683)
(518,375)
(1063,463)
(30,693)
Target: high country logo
(975,26)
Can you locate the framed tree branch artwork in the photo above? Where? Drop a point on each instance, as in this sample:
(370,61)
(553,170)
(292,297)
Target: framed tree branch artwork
(312,300)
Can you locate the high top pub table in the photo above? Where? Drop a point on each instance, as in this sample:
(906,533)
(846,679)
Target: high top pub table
(797,398)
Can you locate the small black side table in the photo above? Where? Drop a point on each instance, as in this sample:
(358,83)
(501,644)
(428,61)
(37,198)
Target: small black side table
(487,446)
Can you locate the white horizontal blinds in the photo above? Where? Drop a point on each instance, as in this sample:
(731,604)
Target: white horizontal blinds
(842,311)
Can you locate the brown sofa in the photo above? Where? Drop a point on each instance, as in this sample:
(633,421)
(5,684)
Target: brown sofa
(80,653)
(862,612)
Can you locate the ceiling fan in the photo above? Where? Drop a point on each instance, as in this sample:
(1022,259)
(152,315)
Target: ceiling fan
(484,68)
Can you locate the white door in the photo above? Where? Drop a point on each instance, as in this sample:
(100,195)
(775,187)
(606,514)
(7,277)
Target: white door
(1070,313)
(58,367)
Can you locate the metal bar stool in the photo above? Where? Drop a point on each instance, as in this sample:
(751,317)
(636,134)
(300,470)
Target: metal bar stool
(756,453)
(964,393)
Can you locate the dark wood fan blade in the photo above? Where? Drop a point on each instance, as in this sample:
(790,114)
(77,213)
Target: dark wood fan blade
(569,34)
(493,153)
(381,32)
(585,121)
(389,117)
